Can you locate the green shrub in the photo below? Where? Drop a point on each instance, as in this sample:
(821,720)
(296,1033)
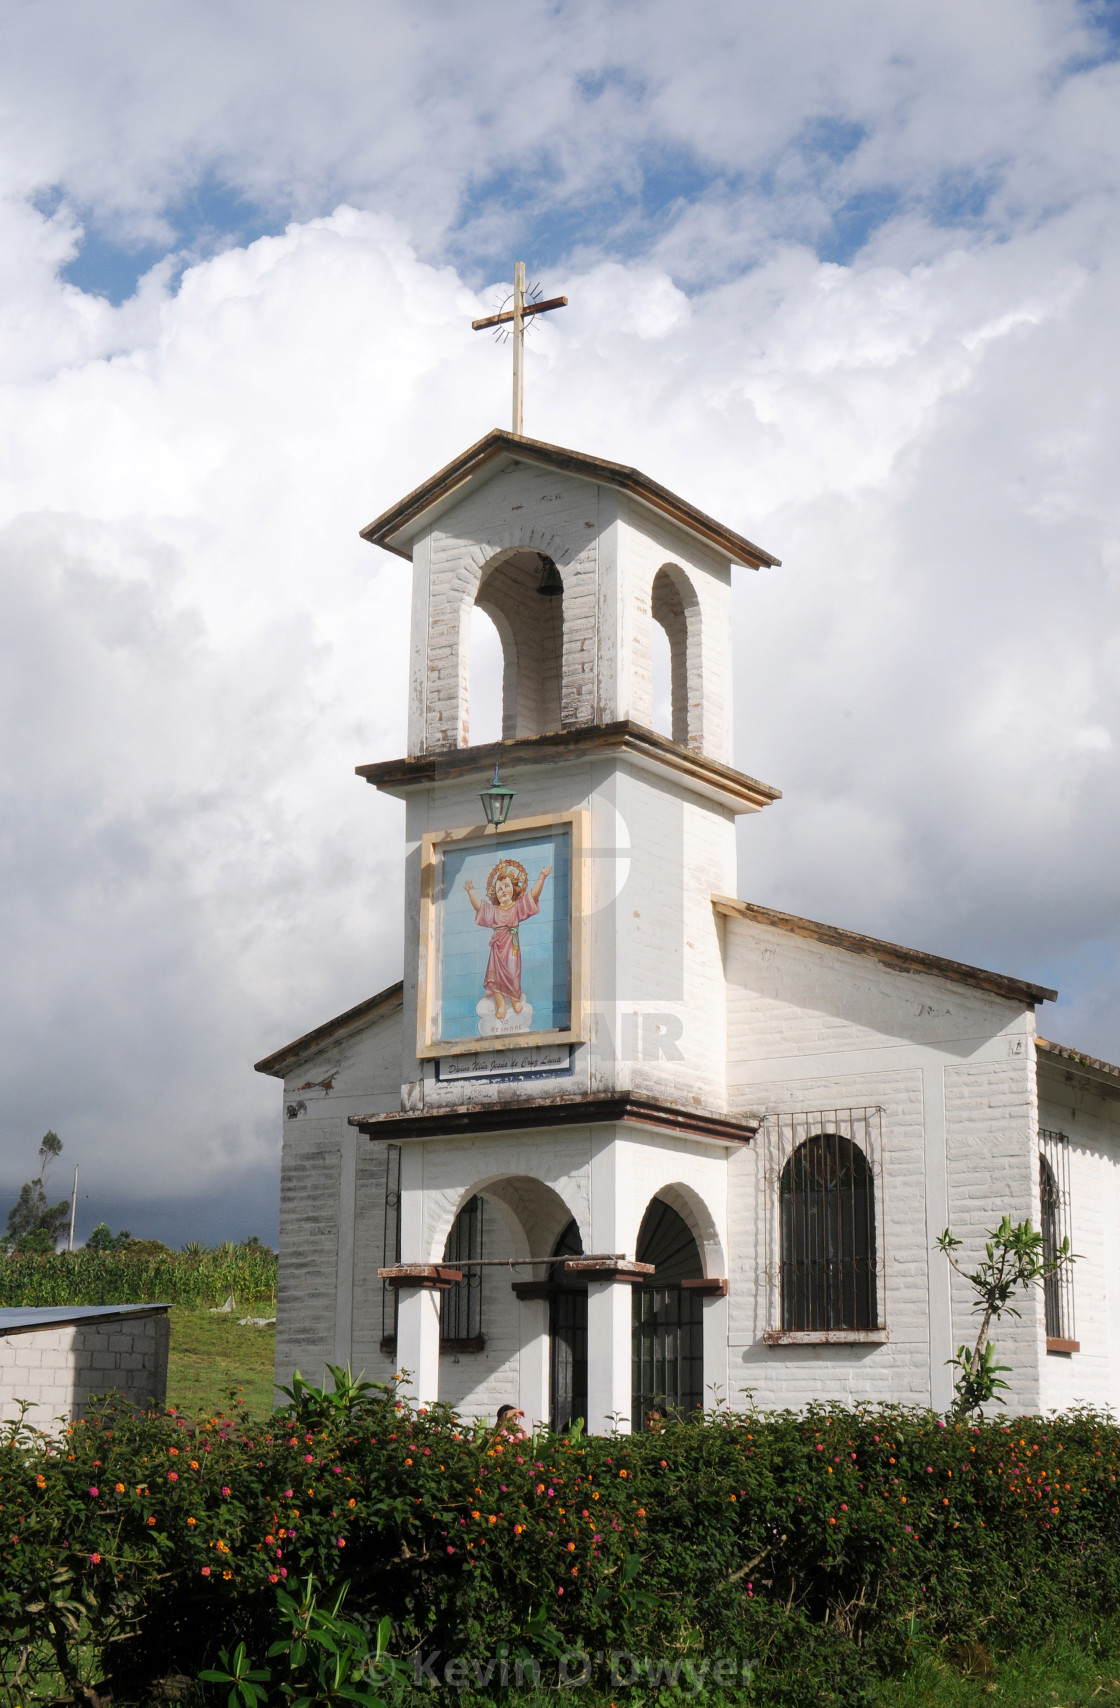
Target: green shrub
(816,1549)
(150,1274)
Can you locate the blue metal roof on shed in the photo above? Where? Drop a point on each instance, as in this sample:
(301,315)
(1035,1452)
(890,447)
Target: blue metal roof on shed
(21,1319)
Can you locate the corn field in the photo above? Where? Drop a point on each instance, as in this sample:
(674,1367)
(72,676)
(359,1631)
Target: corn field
(122,1278)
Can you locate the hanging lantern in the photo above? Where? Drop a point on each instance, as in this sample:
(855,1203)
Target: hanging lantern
(497,800)
(551,584)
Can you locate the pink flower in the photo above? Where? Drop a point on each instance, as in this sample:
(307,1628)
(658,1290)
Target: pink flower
(341,1541)
(287,1494)
(95,1559)
(206,1571)
(93,1492)
(283,1571)
(450,1550)
(173,1476)
(225,1491)
(274,1577)
(307,1458)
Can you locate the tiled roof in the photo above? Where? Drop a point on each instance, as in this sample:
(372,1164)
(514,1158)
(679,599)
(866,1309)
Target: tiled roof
(1064,1052)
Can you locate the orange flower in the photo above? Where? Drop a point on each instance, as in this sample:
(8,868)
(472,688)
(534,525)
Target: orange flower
(40,1481)
(191,1522)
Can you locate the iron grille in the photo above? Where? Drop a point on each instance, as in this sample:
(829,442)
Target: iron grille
(567,1330)
(667,1338)
(825,1257)
(1053,1189)
(460,1308)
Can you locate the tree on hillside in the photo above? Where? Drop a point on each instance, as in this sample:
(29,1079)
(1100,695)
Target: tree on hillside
(33,1224)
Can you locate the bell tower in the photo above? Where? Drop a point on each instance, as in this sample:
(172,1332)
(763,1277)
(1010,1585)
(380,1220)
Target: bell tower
(563,969)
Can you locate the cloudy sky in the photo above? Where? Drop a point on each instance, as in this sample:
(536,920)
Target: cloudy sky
(847,275)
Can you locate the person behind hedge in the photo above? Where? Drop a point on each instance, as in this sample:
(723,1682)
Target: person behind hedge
(507,1424)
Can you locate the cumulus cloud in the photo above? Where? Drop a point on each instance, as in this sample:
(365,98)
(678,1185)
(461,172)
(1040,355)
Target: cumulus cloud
(197,648)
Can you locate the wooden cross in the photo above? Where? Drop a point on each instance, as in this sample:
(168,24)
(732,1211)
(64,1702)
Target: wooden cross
(518,314)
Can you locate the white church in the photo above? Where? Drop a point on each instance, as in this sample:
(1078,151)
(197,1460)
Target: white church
(621,1143)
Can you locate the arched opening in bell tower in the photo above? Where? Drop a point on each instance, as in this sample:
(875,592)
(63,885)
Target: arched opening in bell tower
(675,609)
(487,664)
(522,594)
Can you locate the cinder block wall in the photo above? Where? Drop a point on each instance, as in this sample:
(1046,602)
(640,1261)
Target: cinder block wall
(60,1370)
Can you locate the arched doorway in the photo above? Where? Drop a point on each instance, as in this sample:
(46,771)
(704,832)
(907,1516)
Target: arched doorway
(567,1335)
(668,1332)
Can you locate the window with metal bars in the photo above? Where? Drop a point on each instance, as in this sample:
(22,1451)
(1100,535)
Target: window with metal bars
(827,1235)
(390,1246)
(460,1314)
(667,1339)
(1053,1191)
(460,1307)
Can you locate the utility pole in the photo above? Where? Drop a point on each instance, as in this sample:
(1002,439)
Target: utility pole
(73,1210)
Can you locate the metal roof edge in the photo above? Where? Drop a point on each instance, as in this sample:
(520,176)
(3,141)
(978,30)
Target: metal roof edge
(280,1060)
(384,528)
(893,955)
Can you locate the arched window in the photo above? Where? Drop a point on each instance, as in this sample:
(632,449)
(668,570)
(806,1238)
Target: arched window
(1053,1192)
(827,1213)
(460,1307)
(668,1334)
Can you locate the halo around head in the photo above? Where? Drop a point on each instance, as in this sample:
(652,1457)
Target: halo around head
(515,872)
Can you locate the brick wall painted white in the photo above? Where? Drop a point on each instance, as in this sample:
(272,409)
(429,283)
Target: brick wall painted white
(1090,1114)
(816,1027)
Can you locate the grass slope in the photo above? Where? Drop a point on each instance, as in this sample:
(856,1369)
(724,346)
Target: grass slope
(1078,1667)
(212,1356)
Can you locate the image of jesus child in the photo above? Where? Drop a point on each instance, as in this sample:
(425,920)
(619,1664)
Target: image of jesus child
(509,901)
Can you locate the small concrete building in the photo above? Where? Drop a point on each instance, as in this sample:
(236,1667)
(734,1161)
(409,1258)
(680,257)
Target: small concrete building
(60,1357)
(620,1142)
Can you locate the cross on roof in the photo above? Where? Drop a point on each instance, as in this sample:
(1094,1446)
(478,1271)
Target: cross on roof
(517,315)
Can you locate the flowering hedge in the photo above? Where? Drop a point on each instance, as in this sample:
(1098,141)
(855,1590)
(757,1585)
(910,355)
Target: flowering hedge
(127,1278)
(810,1546)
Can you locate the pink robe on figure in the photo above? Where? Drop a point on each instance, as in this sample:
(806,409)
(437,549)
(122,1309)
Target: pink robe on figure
(503,969)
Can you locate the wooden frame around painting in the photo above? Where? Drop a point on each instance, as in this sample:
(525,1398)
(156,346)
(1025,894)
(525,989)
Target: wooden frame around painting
(503,925)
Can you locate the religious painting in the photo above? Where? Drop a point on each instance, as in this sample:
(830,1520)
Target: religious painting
(497,936)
